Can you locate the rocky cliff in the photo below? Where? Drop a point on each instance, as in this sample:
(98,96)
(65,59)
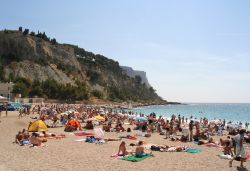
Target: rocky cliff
(133,73)
(38,59)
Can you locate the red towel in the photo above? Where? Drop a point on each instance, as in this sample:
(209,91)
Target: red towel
(84,134)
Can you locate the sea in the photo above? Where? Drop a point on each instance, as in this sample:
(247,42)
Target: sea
(234,112)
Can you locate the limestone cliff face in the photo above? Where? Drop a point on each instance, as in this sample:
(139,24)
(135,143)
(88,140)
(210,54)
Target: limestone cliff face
(37,58)
(34,71)
(132,73)
(29,49)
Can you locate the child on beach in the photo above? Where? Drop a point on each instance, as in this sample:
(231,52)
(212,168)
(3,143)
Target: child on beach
(227,149)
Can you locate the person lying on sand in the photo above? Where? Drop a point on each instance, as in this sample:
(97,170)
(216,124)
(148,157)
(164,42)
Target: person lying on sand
(22,137)
(19,137)
(46,134)
(107,128)
(119,128)
(166,148)
(35,140)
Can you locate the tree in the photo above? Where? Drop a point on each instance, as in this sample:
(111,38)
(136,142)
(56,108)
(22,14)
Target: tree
(20,88)
(53,41)
(26,31)
(51,88)
(2,74)
(20,29)
(97,94)
(36,89)
(32,33)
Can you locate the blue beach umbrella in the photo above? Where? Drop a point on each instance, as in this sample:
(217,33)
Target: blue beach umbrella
(141,119)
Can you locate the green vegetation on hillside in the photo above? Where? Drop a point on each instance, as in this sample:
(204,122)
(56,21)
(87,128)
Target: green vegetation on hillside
(92,74)
(50,89)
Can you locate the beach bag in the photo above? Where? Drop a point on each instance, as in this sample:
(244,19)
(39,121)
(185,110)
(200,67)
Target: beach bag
(147,135)
(129,130)
(155,148)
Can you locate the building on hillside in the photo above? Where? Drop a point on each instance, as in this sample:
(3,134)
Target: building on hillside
(6,90)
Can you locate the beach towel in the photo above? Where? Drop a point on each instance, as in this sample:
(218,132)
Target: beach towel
(193,150)
(129,137)
(83,134)
(26,142)
(80,140)
(117,156)
(248,157)
(135,159)
(214,145)
(139,135)
(56,137)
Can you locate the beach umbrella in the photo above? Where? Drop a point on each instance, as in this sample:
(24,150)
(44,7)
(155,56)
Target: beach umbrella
(215,121)
(1,97)
(38,126)
(64,113)
(141,119)
(99,118)
(196,120)
(120,114)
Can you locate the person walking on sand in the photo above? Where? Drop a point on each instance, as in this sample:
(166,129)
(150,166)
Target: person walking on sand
(0,112)
(6,110)
(191,126)
(240,151)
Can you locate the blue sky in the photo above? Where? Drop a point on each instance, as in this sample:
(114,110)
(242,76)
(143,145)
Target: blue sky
(192,50)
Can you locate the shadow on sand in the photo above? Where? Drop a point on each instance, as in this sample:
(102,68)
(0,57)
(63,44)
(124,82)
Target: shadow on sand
(241,168)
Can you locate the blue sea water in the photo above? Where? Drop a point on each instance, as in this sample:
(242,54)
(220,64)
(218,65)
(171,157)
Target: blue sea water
(229,111)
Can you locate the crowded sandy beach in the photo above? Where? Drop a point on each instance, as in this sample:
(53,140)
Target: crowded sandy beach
(81,137)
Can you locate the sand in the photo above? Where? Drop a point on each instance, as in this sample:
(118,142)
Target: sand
(65,154)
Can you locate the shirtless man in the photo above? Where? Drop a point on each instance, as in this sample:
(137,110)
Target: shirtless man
(19,137)
(35,140)
(139,151)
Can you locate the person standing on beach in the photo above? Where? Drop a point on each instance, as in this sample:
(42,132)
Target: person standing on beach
(6,110)
(0,112)
(191,126)
(240,151)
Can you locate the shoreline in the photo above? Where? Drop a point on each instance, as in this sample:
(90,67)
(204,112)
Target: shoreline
(113,104)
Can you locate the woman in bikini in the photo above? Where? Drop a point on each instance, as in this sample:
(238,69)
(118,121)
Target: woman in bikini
(122,149)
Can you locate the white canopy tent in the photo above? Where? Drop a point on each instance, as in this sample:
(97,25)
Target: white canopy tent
(3,99)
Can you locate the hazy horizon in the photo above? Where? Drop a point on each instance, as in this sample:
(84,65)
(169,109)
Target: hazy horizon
(191,50)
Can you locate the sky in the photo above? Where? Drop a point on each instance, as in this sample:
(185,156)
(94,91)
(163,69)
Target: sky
(191,50)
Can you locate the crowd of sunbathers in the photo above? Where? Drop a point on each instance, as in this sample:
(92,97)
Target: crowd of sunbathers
(34,139)
(177,128)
